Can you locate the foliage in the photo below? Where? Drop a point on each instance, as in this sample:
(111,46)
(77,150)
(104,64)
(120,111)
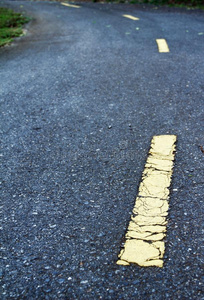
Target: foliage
(176,2)
(10,25)
(184,3)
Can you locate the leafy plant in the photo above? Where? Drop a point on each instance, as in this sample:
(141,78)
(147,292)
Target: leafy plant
(10,25)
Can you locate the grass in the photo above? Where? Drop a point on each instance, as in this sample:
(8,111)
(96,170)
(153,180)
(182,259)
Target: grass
(10,25)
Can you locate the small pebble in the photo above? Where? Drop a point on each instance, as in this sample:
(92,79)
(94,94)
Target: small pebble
(84,281)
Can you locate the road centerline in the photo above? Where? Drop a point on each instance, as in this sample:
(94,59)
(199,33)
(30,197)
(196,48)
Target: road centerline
(70,5)
(131,17)
(162,45)
(144,243)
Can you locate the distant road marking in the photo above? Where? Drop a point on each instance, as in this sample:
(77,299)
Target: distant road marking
(131,17)
(162,45)
(70,5)
(144,243)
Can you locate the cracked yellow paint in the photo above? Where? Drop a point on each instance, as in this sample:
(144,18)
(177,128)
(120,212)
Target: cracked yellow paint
(162,45)
(144,238)
(131,17)
(70,5)
(151,208)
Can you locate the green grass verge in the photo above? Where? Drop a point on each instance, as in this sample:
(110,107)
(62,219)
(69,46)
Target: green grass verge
(10,25)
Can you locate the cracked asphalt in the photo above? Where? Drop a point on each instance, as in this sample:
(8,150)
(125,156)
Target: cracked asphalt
(82,94)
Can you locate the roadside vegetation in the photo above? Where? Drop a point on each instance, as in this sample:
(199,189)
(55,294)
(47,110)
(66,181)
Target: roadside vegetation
(176,3)
(189,4)
(10,25)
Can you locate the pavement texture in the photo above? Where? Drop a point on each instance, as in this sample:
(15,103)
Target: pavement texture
(82,94)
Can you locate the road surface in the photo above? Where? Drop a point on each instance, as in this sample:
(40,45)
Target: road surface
(82,94)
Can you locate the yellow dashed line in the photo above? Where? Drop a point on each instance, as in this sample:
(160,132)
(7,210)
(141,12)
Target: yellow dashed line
(131,17)
(144,243)
(162,45)
(70,5)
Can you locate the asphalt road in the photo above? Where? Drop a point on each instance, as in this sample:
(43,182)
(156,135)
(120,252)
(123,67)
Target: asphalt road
(81,95)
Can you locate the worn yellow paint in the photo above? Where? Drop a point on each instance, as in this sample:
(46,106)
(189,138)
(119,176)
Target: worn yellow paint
(70,5)
(131,17)
(162,45)
(147,228)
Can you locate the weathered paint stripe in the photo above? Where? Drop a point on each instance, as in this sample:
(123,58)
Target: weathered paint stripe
(70,5)
(131,17)
(162,45)
(144,243)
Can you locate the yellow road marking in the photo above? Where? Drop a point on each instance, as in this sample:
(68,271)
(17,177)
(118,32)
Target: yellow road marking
(70,5)
(162,45)
(144,243)
(131,17)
